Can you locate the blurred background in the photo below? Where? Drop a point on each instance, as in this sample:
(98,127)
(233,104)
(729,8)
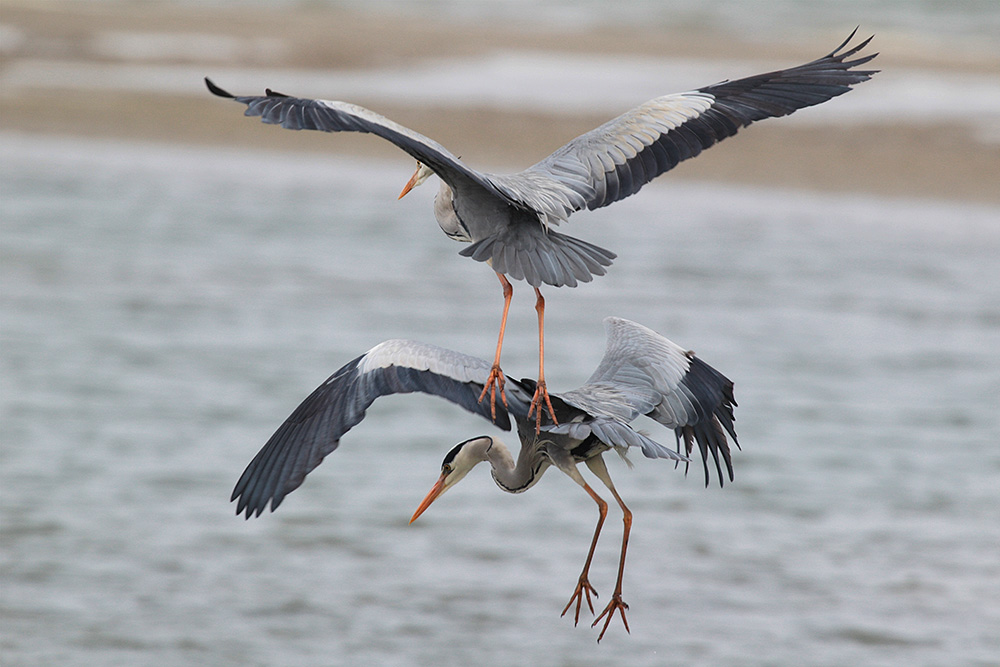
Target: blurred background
(176,278)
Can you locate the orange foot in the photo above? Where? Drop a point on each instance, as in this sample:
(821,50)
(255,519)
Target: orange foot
(541,397)
(616,604)
(494,383)
(583,588)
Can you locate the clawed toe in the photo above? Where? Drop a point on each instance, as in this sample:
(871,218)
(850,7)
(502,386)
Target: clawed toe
(616,604)
(494,383)
(583,589)
(540,399)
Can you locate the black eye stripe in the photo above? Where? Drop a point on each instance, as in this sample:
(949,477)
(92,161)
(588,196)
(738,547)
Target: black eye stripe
(450,456)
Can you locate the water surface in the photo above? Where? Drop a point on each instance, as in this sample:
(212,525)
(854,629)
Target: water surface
(165,308)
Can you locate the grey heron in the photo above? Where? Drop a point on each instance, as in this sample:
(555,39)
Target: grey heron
(508,219)
(641,373)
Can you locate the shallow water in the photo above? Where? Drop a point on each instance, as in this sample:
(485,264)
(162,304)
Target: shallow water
(165,308)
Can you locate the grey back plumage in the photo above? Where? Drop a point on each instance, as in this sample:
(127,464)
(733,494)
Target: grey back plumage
(642,373)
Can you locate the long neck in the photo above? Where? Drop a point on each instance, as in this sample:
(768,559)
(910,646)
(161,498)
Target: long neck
(516,476)
(447,218)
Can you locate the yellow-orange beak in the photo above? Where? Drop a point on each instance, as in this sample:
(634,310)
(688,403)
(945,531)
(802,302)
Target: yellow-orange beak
(435,491)
(410,184)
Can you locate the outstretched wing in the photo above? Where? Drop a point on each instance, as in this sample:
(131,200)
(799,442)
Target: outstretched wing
(644,373)
(615,160)
(296,113)
(315,428)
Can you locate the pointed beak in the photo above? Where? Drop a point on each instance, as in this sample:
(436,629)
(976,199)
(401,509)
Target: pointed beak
(435,491)
(410,184)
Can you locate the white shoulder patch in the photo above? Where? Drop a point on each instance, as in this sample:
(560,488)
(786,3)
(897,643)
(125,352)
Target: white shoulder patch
(425,357)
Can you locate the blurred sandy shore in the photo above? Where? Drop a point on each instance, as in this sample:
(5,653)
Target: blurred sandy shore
(934,159)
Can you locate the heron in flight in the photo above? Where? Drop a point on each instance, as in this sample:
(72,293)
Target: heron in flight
(508,220)
(642,373)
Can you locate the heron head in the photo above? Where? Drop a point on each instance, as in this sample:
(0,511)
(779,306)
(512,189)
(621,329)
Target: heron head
(457,463)
(422,173)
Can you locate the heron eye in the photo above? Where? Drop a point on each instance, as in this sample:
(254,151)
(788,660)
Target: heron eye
(446,469)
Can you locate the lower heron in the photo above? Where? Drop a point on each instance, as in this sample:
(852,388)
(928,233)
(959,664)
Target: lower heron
(641,373)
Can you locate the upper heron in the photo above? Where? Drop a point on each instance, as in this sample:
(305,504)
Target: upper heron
(642,373)
(508,219)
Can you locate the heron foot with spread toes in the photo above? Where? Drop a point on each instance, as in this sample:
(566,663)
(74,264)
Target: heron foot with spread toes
(616,604)
(539,402)
(494,383)
(583,588)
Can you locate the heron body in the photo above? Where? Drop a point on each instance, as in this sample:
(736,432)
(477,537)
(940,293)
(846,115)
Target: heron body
(508,219)
(641,373)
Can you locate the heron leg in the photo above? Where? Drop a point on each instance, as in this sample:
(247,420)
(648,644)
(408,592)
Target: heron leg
(583,587)
(496,379)
(541,393)
(616,603)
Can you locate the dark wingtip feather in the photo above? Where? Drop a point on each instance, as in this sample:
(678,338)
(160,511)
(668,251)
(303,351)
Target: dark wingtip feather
(847,41)
(215,90)
(713,397)
(842,57)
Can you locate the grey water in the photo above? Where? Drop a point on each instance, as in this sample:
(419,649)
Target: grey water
(163,309)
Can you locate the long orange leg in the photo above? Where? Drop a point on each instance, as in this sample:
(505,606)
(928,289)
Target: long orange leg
(583,587)
(541,393)
(616,603)
(496,379)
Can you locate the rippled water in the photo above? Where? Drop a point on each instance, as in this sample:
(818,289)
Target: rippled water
(164,309)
